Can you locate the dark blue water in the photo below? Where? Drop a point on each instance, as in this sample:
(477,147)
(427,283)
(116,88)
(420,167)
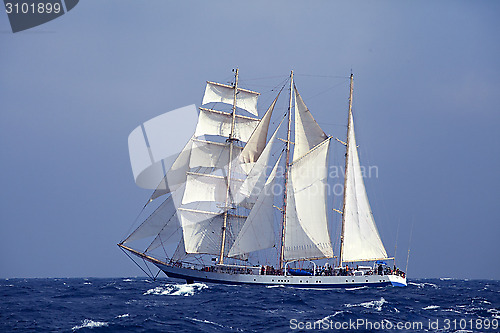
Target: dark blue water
(138,305)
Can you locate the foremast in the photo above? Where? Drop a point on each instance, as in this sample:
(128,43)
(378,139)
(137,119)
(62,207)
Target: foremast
(231,141)
(349,117)
(287,165)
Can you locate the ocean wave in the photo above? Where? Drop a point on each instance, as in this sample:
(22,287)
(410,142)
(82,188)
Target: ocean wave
(424,284)
(177,289)
(327,318)
(248,308)
(89,323)
(494,313)
(205,322)
(377,305)
(356,288)
(211,323)
(431,307)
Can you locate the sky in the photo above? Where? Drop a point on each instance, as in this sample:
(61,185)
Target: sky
(426,102)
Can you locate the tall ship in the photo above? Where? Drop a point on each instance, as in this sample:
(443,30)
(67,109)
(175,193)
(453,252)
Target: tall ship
(242,205)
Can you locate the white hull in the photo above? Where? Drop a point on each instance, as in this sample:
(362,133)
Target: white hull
(191,275)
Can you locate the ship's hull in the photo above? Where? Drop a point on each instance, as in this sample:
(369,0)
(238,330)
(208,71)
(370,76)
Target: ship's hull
(192,275)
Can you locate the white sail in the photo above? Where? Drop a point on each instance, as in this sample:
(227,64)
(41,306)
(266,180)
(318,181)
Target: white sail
(254,182)
(257,142)
(202,187)
(171,233)
(308,134)
(258,233)
(209,154)
(180,252)
(306,231)
(202,230)
(361,238)
(222,93)
(213,122)
(176,176)
(163,217)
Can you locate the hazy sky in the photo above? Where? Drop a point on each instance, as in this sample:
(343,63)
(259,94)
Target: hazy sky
(427,108)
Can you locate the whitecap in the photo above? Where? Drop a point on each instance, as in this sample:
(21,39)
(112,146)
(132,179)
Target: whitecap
(87,283)
(88,323)
(327,318)
(205,322)
(123,315)
(177,289)
(276,286)
(377,305)
(127,280)
(431,307)
(494,313)
(423,285)
(445,279)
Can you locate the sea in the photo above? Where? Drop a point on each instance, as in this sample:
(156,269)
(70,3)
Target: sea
(168,305)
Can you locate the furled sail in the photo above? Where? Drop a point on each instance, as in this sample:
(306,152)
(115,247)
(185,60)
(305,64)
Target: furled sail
(308,134)
(222,93)
(213,122)
(258,233)
(306,231)
(361,238)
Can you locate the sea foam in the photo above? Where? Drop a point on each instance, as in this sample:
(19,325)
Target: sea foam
(177,289)
(89,323)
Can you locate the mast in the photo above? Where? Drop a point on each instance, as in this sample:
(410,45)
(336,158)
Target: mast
(231,140)
(345,176)
(287,165)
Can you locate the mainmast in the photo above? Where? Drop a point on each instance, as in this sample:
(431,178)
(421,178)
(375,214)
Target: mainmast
(231,140)
(287,164)
(345,173)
